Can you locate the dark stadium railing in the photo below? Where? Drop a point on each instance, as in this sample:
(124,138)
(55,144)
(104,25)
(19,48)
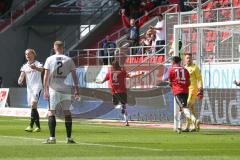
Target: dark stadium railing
(15,13)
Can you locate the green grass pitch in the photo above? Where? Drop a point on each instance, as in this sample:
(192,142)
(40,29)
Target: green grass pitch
(104,142)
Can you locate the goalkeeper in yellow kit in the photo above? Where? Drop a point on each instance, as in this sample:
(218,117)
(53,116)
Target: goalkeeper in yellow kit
(195,88)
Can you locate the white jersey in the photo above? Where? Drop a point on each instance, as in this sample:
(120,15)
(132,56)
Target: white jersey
(160,34)
(59,67)
(33,77)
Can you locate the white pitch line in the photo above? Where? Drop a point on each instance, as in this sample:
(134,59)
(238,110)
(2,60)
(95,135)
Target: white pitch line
(89,144)
(125,147)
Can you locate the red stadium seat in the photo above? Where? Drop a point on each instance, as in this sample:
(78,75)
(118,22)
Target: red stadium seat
(194,18)
(194,48)
(224,35)
(160,59)
(140,59)
(194,36)
(209,46)
(127,61)
(236,3)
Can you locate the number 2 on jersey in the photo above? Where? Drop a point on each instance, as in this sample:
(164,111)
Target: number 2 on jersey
(180,74)
(59,66)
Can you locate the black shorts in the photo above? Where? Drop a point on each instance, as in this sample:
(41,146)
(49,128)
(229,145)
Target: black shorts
(181,99)
(119,97)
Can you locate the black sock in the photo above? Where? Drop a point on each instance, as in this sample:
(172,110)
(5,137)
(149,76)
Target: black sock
(52,125)
(32,118)
(37,122)
(68,124)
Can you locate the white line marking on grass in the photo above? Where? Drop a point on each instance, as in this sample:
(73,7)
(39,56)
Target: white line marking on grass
(125,147)
(89,144)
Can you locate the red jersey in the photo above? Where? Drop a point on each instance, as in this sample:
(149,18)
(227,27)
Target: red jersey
(179,78)
(117,80)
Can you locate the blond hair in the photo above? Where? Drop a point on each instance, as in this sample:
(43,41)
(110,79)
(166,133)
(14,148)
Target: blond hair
(59,44)
(31,51)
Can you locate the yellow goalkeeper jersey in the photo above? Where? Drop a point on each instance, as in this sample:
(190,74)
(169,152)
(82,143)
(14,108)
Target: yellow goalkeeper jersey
(195,76)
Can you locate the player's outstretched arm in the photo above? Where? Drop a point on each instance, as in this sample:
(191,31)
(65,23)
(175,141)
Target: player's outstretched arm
(135,75)
(21,79)
(100,81)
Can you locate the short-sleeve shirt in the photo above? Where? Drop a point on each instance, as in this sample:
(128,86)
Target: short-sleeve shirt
(195,76)
(160,34)
(33,77)
(59,67)
(117,81)
(179,77)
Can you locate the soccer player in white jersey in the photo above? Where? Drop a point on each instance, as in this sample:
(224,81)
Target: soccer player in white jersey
(32,72)
(57,68)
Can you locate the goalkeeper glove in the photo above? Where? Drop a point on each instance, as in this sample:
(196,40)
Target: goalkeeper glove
(236,83)
(200,94)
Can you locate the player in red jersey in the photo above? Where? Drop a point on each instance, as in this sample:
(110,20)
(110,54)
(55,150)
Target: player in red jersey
(117,77)
(179,80)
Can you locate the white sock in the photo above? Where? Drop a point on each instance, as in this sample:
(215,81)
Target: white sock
(52,138)
(179,120)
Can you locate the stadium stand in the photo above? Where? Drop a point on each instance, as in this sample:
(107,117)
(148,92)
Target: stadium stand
(19,10)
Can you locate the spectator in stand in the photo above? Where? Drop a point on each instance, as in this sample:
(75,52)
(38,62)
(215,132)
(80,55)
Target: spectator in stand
(160,33)
(181,49)
(133,28)
(108,46)
(146,40)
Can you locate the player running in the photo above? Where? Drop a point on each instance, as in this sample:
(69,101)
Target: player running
(57,67)
(195,88)
(179,80)
(32,72)
(117,77)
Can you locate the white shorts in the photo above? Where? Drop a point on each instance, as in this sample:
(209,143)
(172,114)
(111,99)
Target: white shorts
(59,100)
(33,96)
